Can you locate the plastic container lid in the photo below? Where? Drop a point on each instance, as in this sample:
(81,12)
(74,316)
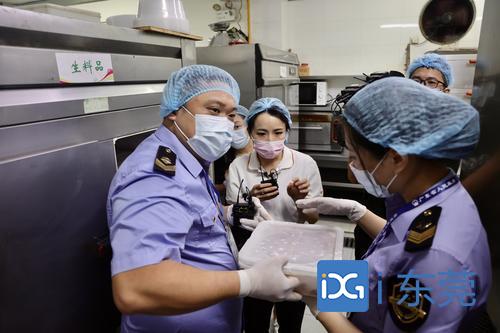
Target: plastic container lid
(167,14)
(303,244)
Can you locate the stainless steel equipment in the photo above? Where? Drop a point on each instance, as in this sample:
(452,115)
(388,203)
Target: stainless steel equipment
(59,148)
(222,37)
(261,71)
(312,131)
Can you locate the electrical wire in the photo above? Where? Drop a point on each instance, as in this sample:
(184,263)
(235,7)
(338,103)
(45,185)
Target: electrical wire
(248,22)
(239,190)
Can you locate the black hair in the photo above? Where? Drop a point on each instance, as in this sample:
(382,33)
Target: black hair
(273,112)
(357,141)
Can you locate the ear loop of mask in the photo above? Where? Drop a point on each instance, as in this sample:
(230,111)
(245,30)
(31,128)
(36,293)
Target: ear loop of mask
(175,123)
(375,169)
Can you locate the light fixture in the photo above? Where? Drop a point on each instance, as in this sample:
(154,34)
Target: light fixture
(399,25)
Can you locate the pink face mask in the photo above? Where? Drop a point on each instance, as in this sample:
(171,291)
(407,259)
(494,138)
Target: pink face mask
(268,149)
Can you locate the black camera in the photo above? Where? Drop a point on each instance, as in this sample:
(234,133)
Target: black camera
(245,209)
(271,181)
(272,178)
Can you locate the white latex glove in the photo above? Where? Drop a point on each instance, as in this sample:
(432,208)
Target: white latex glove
(262,214)
(228,214)
(331,206)
(250,224)
(267,281)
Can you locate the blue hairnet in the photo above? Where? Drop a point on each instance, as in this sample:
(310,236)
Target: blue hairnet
(432,61)
(191,81)
(266,103)
(242,111)
(403,115)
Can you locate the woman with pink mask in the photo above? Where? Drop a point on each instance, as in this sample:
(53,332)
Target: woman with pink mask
(278,176)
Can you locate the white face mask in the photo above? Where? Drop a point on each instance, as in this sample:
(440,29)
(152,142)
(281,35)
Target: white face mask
(212,138)
(368,181)
(240,138)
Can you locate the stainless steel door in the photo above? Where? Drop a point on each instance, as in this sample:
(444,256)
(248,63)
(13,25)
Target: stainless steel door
(54,253)
(308,133)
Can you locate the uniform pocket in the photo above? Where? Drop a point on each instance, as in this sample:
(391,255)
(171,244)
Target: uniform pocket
(209,216)
(207,219)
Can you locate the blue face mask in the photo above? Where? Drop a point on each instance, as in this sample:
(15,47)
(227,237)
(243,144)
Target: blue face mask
(366,179)
(240,138)
(212,138)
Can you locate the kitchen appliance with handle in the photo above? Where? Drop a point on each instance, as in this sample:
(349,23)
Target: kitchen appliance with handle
(313,132)
(310,93)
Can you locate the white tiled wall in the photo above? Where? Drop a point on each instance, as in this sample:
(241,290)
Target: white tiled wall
(267,22)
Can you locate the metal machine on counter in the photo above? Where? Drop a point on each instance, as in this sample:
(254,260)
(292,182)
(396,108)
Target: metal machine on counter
(261,71)
(60,144)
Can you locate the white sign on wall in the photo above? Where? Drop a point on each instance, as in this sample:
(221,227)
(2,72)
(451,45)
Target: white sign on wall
(84,67)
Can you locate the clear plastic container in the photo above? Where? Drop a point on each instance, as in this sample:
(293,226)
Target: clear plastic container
(303,244)
(166,14)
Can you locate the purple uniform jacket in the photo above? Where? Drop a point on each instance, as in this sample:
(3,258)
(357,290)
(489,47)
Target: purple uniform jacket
(153,217)
(459,245)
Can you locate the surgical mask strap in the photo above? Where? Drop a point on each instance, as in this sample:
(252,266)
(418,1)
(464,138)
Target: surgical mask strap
(187,111)
(376,167)
(379,163)
(181,131)
(175,123)
(392,180)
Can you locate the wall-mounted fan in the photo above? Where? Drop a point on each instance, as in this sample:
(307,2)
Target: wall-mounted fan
(446,21)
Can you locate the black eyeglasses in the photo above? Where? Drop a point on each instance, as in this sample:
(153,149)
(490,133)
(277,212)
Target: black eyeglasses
(429,82)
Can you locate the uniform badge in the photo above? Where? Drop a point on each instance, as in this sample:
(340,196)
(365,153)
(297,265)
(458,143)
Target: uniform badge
(422,230)
(165,161)
(409,308)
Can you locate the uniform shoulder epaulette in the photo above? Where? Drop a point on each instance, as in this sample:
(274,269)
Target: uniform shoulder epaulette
(423,229)
(165,161)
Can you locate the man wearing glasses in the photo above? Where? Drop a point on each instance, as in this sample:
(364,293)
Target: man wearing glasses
(431,70)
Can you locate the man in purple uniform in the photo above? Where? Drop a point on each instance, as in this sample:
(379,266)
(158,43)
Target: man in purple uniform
(174,267)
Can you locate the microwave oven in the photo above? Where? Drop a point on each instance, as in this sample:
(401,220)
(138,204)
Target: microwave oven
(309,93)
